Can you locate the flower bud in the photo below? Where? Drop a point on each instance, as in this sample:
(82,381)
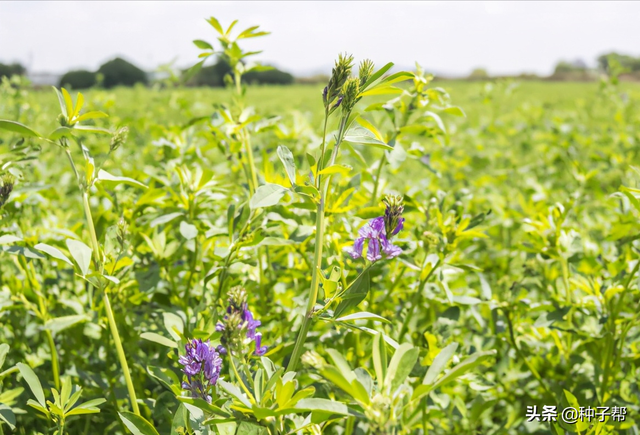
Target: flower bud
(350,92)
(63,121)
(393,220)
(118,138)
(339,75)
(8,181)
(366,69)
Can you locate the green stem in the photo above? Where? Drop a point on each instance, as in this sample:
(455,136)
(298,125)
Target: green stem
(317,256)
(376,182)
(252,166)
(244,387)
(54,360)
(121,356)
(533,371)
(35,286)
(107,305)
(415,300)
(320,163)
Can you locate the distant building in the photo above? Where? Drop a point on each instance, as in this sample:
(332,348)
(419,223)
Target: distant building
(44,78)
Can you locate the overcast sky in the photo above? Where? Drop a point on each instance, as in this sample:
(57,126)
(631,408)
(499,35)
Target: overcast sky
(445,37)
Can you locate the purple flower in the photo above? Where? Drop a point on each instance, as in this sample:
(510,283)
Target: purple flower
(260,350)
(239,327)
(378,233)
(202,364)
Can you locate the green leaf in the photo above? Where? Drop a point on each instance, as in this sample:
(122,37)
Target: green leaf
(379,353)
(61,323)
(180,422)
(92,129)
(216,25)
(203,405)
(89,407)
(94,114)
(204,45)
(400,366)
(376,75)
(136,424)
(455,111)
(439,363)
(53,252)
(63,108)
(465,366)
(164,219)
(157,338)
(173,324)
(235,392)
(33,382)
(286,157)
(8,239)
(4,350)
(6,415)
(16,127)
(354,294)
(61,132)
(267,195)
(316,404)
(166,377)
(362,315)
(81,253)
(336,169)
(68,102)
(363,136)
(107,177)
(188,231)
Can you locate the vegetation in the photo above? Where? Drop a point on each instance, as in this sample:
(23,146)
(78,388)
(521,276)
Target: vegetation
(79,79)
(359,257)
(8,70)
(214,76)
(119,72)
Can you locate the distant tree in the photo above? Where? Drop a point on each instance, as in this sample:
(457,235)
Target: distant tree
(627,62)
(211,75)
(479,74)
(13,69)
(269,77)
(214,76)
(563,67)
(79,79)
(119,72)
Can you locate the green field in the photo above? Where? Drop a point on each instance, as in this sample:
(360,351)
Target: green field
(517,285)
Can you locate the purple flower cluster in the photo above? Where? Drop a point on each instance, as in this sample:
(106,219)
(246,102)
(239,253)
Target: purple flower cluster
(379,231)
(239,327)
(202,364)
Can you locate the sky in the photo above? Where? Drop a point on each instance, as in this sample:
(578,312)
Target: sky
(449,38)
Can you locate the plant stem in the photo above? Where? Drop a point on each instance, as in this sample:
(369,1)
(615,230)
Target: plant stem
(121,355)
(317,256)
(244,387)
(376,182)
(253,182)
(107,305)
(533,371)
(54,360)
(35,286)
(416,298)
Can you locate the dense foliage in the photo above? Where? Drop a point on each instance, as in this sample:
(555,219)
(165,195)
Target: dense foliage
(214,75)
(119,72)
(358,259)
(79,79)
(8,70)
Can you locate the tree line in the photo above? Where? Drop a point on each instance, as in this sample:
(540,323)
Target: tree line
(119,72)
